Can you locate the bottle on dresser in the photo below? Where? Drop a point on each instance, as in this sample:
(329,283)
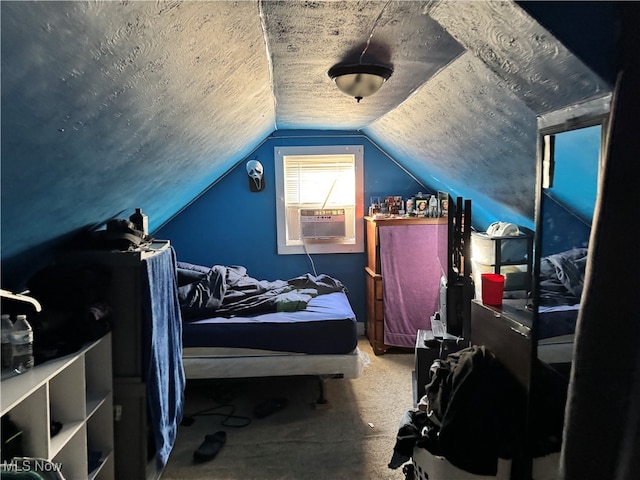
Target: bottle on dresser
(22,345)
(433,206)
(140,220)
(7,328)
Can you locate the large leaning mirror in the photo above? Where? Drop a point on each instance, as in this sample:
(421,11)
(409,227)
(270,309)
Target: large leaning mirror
(571,143)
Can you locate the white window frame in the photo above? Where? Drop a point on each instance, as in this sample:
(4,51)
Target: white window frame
(350,244)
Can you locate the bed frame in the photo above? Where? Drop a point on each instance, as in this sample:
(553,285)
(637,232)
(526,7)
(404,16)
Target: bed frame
(204,363)
(263,344)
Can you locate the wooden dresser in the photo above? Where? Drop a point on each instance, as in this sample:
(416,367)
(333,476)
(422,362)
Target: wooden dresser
(377,304)
(375,311)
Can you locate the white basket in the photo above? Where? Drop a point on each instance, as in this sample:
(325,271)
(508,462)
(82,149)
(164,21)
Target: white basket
(547,467)
(431,467)
(513,249)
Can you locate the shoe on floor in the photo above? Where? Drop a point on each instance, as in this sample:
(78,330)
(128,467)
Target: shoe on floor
(210,447)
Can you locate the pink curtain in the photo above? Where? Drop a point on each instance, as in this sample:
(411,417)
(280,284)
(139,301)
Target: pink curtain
(410,280)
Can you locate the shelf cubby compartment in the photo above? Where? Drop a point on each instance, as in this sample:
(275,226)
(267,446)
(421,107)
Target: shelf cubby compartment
(99,444)
(31,416)
(72,457)
(98,375)
(74,390)
(66,403)
(99,407)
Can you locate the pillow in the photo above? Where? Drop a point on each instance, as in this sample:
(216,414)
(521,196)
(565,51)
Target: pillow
(190,273)
(193,266)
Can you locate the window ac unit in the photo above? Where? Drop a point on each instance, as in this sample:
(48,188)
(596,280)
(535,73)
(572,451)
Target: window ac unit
(322,223)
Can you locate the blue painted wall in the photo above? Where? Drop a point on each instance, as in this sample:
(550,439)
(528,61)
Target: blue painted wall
(568,206)
(229,225)
(562,229)
(575,180)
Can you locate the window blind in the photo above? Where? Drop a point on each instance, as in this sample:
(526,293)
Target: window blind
(319,180)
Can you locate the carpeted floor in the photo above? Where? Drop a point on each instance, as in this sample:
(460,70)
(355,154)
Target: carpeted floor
(352,439)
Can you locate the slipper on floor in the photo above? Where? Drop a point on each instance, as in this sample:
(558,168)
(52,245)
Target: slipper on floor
(210,447)
(269,406)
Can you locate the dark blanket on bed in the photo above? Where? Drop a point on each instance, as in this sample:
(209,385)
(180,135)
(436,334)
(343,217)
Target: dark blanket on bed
(227,291)
(562,277)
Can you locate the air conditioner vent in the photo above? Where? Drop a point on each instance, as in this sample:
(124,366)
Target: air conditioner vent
(322,223)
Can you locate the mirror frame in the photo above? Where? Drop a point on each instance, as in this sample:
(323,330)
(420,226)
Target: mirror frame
(586,114)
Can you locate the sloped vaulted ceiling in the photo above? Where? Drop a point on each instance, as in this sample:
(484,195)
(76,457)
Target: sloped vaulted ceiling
(476,121)
(113,105)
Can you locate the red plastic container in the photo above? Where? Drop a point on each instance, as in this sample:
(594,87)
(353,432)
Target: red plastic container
(492,289)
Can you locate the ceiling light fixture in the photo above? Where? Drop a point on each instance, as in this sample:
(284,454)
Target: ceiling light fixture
(359,80)
(362,79)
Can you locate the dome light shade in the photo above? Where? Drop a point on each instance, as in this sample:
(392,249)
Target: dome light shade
(359,80)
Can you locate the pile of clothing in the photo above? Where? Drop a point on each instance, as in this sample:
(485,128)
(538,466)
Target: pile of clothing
(75,309)
(471,413)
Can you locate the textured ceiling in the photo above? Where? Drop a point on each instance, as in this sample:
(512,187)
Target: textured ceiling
(475,123)
(147,103)
(305,39)
(519,51)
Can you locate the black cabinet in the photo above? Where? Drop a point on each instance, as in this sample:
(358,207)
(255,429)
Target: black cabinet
(133,440)
(429,348)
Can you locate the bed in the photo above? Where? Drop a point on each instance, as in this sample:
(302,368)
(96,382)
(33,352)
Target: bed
(237,326)
(561,283)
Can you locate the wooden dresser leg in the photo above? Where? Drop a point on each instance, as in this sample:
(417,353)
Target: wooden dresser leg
(378,348)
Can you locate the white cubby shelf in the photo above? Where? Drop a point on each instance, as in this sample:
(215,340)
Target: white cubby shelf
(75,390)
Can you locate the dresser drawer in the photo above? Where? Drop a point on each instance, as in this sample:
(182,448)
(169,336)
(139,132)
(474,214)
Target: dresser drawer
(375,311)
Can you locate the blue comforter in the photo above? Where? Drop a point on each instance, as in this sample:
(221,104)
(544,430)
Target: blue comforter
(562,277)
(227,291)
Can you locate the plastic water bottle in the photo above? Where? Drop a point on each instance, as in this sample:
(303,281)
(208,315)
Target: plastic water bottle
(7,328)
(22,345)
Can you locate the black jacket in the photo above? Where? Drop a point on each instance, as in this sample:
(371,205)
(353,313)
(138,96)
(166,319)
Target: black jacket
(471,413)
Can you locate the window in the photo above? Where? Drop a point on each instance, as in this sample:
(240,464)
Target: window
(319,199)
